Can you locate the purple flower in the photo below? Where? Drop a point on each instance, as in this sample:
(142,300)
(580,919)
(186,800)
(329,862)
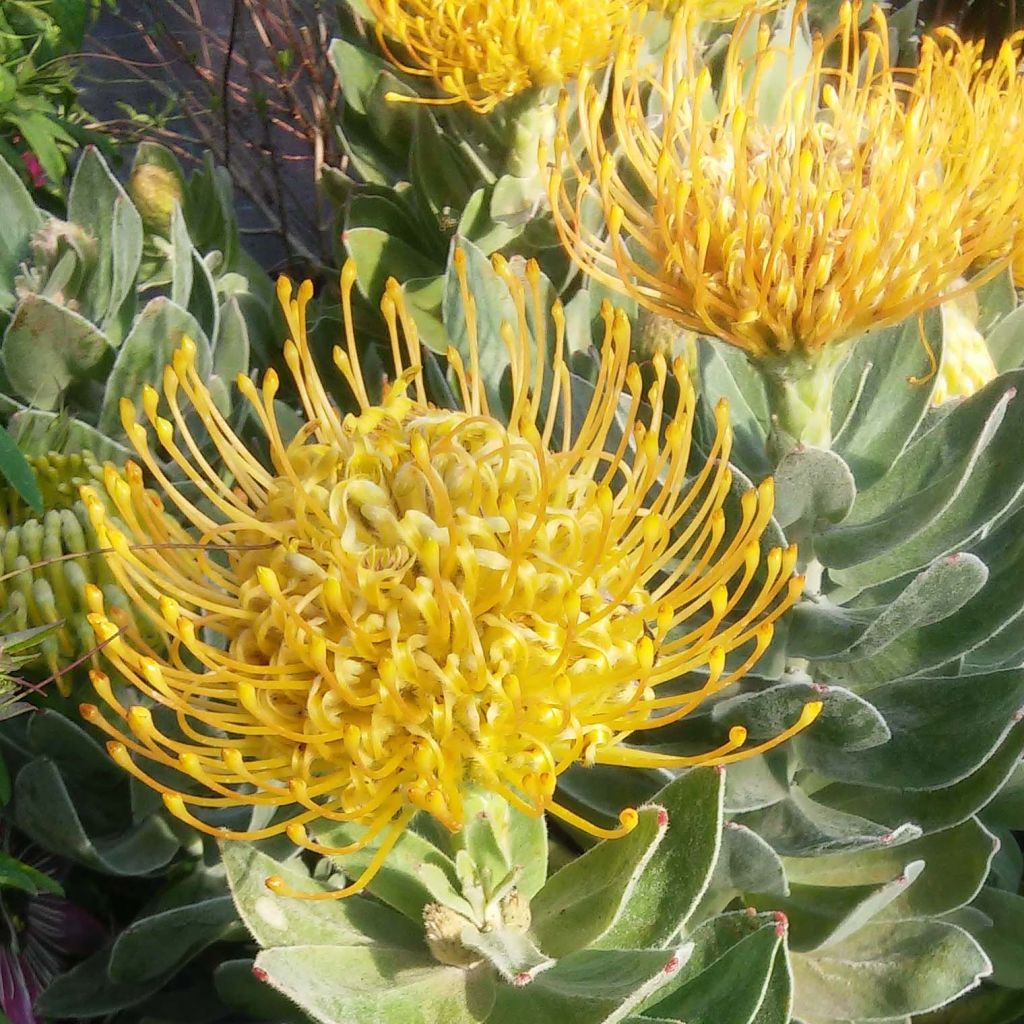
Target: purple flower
(40,931)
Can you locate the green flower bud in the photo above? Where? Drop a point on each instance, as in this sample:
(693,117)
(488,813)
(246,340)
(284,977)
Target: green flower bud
(155,190)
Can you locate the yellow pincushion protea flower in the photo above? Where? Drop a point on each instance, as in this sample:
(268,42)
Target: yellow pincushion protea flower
(406,599)
(848,208)
(481,52)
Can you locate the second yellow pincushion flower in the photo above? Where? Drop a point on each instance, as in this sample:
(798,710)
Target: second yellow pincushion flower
(408,600)
(798,205)
(484,51)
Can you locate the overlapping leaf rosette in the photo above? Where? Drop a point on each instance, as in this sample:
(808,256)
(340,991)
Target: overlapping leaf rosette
(843,229)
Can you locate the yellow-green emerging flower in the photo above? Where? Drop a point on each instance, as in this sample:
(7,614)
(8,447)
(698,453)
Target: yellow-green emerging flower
(967,364)
(795,207)
(481,52)
(409,599)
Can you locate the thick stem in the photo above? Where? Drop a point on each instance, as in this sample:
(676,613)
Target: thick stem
(533,121)
(800,396)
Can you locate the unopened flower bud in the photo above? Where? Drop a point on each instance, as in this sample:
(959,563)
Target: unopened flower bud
(155,190)
(443,928)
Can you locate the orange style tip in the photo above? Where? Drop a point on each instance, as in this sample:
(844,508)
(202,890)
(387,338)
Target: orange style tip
(459,259)
(174,803)
(88,711)
(275,883)
(118,752)
(297,786)
(738,735)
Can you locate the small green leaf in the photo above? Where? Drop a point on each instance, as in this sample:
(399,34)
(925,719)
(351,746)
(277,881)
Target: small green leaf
(731,989)
(153,946)
(930,809)
(956,862)
(679,871)
(592,986)
(812,487)
(494,306)
(19,474)
(930,748)
(1004,941)
(15,875)
(154,337)
(747,863)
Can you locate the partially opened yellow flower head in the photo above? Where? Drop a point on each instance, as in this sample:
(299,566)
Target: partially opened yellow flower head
(797,205)
(406,600)
(481,52)
(995,89)
(967,364)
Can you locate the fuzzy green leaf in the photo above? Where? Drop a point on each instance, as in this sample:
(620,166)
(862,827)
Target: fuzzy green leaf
(1004,940)
(44,809)
(367,985)
(91,203)
(729,990)
(494,307)
(822,916)
(747,863)
(580,903)
(151,947)
(812,487)
(930,748)
(283,921)
(397,883)
(679,871)
(888,970)
(930,809)
(20,219)
(875,410)
(801,827)
(956,862)
(949,484)
(592,986)
(48,346)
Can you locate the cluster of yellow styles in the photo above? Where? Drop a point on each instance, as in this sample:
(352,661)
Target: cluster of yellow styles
(405,599)
(402,600)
